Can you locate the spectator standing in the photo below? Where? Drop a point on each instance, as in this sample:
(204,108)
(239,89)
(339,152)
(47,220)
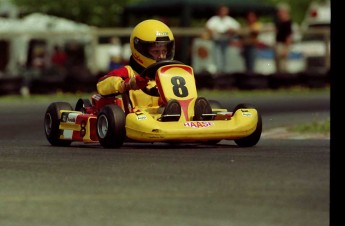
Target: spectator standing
(283,26)
(58,63)
(58,57)
(39,60)
(115,52)
(250,34)
(222,29)
(37,63)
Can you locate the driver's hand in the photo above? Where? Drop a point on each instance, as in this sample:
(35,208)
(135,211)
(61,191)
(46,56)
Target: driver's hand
(136,82)
(141,82)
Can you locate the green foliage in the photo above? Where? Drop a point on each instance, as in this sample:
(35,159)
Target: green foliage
(298,7)
(107,13)
(100,13)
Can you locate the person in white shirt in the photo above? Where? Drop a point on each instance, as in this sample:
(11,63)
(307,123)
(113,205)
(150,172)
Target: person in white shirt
(222,28)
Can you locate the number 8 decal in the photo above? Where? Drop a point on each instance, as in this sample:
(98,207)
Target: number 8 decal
(179,88)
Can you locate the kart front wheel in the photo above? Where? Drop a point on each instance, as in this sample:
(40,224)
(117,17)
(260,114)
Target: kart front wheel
(253,138)
(52,122)
(111,129)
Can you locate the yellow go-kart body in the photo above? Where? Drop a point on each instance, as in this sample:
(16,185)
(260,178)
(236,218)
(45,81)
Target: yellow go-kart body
(139,116)
(178,82)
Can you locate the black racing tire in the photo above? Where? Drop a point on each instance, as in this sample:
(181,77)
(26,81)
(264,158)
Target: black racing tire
(111,130)
(52,122)
(82,104)
(253,138)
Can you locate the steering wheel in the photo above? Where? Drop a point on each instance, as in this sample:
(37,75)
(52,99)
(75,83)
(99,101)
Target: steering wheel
(150,72)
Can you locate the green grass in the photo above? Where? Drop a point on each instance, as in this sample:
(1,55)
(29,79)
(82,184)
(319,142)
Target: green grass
(58,96)
(209,93)
(321,127)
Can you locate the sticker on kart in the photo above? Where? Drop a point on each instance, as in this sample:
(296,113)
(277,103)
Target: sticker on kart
(247,114)
(141,116)
(198,124)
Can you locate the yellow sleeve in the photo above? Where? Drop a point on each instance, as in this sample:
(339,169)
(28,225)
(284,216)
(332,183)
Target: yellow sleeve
(113,84)
(110,85)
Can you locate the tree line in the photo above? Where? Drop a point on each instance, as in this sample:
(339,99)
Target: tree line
(107,13)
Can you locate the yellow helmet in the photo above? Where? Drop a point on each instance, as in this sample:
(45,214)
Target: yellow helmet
(145,34)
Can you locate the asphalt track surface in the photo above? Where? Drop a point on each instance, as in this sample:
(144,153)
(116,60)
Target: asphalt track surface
(278,182)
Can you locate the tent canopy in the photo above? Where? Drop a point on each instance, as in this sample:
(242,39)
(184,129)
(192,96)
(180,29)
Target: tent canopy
(38,22)
(186,10)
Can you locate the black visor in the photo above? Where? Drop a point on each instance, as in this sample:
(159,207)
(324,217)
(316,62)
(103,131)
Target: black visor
(143,47)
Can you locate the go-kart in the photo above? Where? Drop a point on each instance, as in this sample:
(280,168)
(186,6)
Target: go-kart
(114,120)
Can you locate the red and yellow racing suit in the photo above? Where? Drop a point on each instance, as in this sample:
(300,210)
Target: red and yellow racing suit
(114,83)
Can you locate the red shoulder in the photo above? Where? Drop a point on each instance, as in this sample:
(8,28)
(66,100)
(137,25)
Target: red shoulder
(119,72)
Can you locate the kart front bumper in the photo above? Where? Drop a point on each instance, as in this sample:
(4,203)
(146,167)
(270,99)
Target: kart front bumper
(146,129)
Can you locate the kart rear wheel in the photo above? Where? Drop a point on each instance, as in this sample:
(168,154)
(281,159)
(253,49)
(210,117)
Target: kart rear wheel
(52,121)
(111,129)
(253,138)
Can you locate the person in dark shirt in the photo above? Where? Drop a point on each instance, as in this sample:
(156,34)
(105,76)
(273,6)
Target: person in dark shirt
(250,41)
(283,26)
